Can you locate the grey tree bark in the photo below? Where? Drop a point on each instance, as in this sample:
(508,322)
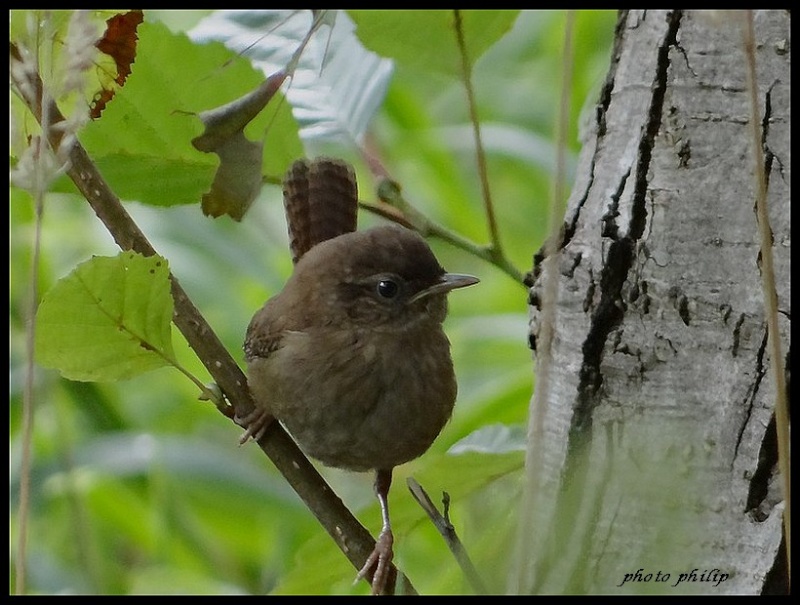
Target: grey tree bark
(652,466)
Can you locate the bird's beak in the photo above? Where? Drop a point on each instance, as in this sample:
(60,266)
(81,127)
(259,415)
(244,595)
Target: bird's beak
(447,282)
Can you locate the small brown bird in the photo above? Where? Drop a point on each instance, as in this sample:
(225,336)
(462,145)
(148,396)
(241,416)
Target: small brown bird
(350,356)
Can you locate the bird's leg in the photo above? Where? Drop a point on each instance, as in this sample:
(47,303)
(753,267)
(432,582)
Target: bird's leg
(384,576)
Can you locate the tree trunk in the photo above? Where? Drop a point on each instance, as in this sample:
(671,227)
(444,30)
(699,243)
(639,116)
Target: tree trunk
(654,458)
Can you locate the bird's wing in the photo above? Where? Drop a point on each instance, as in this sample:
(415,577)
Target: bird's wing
(265,332)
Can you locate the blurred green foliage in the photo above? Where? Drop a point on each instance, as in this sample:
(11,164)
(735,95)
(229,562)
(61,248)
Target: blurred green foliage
(137,487)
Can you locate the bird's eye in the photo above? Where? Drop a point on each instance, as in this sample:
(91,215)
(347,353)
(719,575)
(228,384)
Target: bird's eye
(386,288)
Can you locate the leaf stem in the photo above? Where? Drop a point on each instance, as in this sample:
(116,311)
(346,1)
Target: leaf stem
(207,393)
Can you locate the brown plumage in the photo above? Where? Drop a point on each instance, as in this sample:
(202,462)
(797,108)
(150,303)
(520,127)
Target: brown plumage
(351,356)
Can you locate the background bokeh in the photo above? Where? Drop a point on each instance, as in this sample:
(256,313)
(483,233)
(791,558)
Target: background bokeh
(137,487)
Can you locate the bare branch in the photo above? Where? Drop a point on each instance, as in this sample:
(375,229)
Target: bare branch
(448,532)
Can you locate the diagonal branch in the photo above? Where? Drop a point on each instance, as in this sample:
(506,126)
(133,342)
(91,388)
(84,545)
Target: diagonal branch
(350,536)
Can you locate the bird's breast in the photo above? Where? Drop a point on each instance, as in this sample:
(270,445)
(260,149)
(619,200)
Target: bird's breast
(361,399)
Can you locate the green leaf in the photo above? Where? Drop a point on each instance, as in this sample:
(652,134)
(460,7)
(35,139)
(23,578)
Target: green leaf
(174,579)
(338,85)
(107,320)
(426,39)
(492,439)
(142,142)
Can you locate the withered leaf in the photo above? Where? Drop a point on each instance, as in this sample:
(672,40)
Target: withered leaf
(238,177)
(119,42)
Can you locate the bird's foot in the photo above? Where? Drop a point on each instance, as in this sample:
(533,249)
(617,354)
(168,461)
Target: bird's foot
(384,576)
(255,424)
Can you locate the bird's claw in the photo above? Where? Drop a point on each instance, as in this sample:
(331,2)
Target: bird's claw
(255,424)
(381,559)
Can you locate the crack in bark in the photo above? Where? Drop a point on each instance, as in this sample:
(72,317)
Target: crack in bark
(568,229)
(768,155)
(766,118)
(600,118)
(759,482)
(748,405)
(608,85)
(610,310)
(607,316)
(682,51)
(609,227)
(737,329)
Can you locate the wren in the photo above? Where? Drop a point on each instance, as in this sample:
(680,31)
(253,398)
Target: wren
(351,356)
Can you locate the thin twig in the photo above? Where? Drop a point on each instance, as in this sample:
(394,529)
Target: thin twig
(350,536)
(768,284)
(445,528)
(28,399)
(396,208)
(483,173)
